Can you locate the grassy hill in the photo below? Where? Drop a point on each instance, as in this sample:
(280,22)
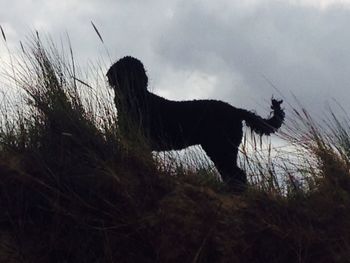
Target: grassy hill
(74,190)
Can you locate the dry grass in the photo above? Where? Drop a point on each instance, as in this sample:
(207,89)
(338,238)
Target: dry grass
(73,190)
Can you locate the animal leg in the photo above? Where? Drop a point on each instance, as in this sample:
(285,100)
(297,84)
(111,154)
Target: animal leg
(224,156)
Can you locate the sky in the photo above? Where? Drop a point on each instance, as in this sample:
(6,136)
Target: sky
(242,52)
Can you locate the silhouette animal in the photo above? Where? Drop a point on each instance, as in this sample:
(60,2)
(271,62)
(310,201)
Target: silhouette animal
(173,125)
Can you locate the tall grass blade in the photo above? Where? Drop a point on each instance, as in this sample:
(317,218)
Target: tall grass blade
(97,32)
(3,33)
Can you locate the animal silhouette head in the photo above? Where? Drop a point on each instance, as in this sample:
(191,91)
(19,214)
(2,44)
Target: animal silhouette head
(128,76)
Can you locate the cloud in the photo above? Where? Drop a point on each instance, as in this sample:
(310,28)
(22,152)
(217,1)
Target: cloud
(301,50)
(208,49)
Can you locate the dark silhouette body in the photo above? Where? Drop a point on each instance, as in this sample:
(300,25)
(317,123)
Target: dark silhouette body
(173,125)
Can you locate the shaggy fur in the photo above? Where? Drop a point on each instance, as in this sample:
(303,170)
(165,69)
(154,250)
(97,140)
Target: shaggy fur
(174,125)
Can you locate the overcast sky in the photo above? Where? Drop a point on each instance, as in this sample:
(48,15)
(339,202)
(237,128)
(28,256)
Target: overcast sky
(223,49)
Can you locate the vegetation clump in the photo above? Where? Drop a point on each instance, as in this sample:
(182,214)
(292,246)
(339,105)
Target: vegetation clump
(73,190)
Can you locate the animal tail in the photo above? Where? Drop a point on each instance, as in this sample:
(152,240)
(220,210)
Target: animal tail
(265,126)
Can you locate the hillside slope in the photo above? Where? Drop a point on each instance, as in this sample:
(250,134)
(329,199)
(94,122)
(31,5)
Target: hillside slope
(73,190)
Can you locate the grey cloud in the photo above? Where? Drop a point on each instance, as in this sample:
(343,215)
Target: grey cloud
(225,46)
(302,50)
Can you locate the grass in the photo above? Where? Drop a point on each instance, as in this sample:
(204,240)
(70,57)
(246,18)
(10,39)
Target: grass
(72,189)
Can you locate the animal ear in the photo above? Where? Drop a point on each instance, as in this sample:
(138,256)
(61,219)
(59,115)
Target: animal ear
(112,78)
